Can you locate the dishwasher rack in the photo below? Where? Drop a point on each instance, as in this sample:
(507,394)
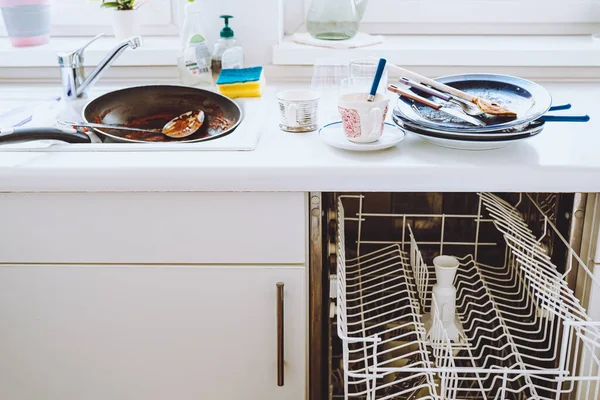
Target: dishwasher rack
(525,334)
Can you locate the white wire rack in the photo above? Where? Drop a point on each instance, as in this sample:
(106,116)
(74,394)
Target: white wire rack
(526,336)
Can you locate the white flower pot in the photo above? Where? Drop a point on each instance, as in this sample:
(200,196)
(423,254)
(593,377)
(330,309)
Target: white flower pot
(125,24)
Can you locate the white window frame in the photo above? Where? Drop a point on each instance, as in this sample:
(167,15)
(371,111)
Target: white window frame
(164,17)
(437,17)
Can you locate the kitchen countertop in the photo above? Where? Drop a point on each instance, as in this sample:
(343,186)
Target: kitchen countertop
(564,158)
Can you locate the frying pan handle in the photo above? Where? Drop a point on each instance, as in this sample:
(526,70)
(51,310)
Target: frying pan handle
(30,133)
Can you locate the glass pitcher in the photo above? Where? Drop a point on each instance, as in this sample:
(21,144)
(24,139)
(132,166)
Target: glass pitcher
(335,19)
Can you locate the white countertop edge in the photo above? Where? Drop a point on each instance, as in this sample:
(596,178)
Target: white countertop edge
(422,179)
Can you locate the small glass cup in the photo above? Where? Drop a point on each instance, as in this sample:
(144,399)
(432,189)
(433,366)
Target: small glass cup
(367,68)
(328,74)
(356,85)
(298,110)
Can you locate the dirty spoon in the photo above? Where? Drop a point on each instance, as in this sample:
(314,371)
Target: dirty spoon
(184,125)
(177,128)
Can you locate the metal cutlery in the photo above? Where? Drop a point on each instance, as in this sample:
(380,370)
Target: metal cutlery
(439,107)
(474,111)
(75,124)
(179,127)
(469,108)
(485,105)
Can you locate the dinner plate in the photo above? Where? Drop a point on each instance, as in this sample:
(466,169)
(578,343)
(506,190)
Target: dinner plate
(528,99)
(534,127)
(469,144)
(333,135)
(525,135)
(466,145)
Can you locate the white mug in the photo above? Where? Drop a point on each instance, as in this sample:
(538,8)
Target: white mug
(363,120)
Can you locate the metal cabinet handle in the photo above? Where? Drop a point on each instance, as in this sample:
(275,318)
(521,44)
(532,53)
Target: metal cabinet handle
(280,356)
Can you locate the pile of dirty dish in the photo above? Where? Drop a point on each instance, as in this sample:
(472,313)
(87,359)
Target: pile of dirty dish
(451,119)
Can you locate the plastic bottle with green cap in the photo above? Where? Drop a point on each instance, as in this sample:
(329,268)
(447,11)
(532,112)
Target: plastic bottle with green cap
(227,52)
(194,59)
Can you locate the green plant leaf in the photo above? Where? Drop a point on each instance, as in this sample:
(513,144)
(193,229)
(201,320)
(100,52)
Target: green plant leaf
(111,4)
(127,4)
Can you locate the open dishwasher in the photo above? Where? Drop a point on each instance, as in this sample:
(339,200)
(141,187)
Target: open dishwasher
(527,307)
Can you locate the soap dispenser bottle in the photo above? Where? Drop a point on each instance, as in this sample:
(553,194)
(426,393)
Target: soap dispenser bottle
(194,58)
(227,53)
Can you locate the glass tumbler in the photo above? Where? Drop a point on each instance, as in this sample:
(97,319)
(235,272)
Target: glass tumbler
(356,85)
(328,74)
(367,68)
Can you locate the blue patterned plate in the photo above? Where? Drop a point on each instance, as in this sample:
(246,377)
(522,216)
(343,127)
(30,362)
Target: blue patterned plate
(528,99)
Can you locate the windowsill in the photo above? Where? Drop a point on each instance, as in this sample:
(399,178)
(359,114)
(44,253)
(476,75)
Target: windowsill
(447,50)
(546,57)
(156,51)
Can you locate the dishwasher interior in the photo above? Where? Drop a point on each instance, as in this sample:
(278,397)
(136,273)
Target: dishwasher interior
(522,327)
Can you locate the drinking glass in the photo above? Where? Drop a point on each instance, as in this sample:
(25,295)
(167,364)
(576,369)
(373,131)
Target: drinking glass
(356,85)
(328,74)
(366,68)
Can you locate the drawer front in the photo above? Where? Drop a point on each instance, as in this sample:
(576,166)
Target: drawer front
(153,228)
(151,332)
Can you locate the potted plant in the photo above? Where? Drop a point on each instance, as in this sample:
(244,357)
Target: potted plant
(124,17)
(27,21)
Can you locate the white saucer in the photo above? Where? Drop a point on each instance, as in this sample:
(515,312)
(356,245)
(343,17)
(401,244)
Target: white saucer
(333,135)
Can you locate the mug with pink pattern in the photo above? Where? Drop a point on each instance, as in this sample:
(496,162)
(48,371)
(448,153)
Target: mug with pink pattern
(362,120)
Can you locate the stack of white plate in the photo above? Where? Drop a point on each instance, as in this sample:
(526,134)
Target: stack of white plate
(529,100)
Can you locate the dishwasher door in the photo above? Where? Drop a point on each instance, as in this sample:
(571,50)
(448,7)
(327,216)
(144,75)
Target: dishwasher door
(521,297)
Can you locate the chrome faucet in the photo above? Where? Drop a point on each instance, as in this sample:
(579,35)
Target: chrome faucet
(74,82)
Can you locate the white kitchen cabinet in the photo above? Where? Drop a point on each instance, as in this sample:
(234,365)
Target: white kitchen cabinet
(102,332)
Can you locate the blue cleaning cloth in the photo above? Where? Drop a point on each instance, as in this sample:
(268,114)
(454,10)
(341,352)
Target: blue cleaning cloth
(239,75)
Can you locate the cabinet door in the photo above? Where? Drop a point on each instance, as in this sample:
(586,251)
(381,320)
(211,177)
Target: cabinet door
(149,333)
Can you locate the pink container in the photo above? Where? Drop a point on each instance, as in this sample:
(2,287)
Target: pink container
(27,21)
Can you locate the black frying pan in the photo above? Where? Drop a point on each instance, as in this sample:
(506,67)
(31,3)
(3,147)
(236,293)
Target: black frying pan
(151,107)
(24,134)
(144,107)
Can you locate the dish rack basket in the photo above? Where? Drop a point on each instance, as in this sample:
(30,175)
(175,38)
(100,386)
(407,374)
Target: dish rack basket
(525,333)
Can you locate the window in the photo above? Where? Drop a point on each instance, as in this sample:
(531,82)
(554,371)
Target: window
(468,16)
(86,17)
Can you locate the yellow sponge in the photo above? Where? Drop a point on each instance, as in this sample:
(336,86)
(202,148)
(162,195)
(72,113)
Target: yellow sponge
(241,82)
(246,89)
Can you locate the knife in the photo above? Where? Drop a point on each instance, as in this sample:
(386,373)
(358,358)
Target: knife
(439,107)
